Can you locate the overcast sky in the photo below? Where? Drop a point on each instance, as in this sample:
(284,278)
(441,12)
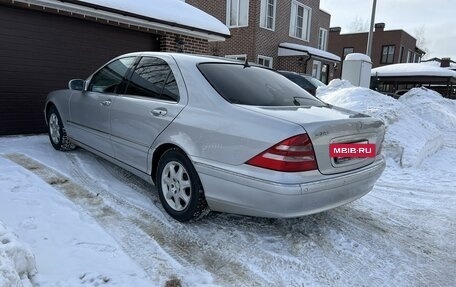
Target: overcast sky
(438,17)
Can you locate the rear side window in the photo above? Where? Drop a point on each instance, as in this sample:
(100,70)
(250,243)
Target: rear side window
(255,86)
(153,78)
(109,78)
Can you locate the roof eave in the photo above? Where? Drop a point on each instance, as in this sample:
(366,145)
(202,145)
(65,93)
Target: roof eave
(127,18)
(310,54)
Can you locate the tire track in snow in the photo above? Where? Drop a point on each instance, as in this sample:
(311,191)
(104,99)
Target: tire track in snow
(144,236)
(367,243)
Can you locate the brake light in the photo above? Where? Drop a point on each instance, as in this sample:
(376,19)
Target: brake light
(291,155)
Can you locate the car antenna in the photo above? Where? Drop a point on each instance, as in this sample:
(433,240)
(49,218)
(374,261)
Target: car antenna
(246,64)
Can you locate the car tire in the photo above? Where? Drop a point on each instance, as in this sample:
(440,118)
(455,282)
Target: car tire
(56,131)
(179,187)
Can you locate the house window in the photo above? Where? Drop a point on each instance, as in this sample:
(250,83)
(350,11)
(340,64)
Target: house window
(316,69)
(387,54)
(300,21)
(268,11)
(322,39)
(241,57)
(416,58)
(401,54)
(237,13)
(265,61)
(409,57)
(348,50)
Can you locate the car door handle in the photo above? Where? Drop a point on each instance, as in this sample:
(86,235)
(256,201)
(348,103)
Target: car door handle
(159,112)
(105,103)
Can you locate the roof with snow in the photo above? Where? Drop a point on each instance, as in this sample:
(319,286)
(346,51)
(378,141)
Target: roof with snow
(412,69)
(168,15)
(437,64)
(291,49)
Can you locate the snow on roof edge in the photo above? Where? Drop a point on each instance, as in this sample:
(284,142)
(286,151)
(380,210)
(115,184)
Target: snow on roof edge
(310,50)
(358,57)
(169,11)
(412,69)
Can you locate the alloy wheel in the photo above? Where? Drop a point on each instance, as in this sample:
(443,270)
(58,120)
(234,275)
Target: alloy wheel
(176,185)
(54,128)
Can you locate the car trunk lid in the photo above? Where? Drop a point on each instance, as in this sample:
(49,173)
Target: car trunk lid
(326,125)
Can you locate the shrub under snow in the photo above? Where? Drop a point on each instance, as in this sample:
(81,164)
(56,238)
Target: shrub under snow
(409,138)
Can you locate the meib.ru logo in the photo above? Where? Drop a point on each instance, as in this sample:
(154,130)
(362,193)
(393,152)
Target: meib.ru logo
(351,150)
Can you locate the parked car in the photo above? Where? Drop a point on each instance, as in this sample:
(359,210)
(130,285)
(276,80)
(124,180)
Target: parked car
(216,135)
(397,94)
(306,82)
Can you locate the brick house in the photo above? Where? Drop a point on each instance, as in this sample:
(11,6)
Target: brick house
(44,44)
(285,35)
(388,46)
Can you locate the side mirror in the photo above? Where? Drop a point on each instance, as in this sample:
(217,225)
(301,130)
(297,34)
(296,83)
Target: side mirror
(76,84)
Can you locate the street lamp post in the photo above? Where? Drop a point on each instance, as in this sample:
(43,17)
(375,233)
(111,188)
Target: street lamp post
(371,30)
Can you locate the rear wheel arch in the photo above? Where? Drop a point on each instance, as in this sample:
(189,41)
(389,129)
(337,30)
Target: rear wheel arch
(158,152)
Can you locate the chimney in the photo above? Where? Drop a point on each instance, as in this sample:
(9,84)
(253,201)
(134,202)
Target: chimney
(445,62)
(335,29)
(379,27)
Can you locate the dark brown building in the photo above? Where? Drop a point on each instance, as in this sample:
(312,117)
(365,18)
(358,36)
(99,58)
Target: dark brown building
(285,35)
(44,44)
(388,46)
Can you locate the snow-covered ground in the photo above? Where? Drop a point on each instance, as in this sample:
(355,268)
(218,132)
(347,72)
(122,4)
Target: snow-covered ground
(90,223)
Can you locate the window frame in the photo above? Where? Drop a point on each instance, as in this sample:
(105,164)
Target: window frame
(387,55)
(409,56)
(325,42)
(264,15)
(343,51)
(270,59)
(293,22)
(228,14)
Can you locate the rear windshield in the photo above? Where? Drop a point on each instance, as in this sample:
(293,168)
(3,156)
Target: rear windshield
(255,86)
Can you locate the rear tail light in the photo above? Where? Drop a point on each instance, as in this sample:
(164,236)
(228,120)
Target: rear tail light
(291,155)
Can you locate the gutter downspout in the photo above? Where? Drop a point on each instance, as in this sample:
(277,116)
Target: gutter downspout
(306,61)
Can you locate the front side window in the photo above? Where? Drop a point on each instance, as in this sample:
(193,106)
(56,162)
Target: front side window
(109,78)
(300,21)
(237,12)
(265,61)
(387,54)
(267,15)
(153,78)
(322,39)
(348,50)
(255,86)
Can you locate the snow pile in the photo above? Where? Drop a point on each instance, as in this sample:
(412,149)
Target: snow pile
(409,139)
(17,262)
(432,107)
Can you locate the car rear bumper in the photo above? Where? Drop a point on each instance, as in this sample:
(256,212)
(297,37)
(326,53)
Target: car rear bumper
(236,193)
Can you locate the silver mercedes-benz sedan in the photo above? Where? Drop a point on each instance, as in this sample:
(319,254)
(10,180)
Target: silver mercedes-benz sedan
(213,134)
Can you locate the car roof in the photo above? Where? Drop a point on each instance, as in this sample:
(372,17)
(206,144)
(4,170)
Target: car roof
(184,57)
